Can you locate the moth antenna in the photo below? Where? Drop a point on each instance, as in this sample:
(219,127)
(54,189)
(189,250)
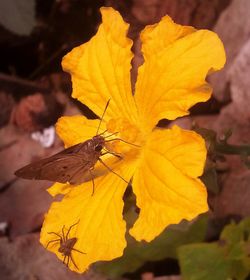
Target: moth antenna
(123,141)
(103,132)
(110,134)
(102,117)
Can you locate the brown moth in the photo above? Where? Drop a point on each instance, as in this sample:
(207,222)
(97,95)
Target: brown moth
(72,164)
(68,165)
(66,245)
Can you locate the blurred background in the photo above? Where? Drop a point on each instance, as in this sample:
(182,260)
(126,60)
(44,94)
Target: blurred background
(34,92)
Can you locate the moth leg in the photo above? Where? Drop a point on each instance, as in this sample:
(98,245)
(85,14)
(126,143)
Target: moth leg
(51,241)
(112,153)
(93,181)
(112,170)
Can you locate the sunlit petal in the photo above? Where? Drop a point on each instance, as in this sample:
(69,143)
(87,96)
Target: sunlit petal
(100,69)
(157,37)
(100,229)
(77,129)
(59,188)
(172,78)
(166,184)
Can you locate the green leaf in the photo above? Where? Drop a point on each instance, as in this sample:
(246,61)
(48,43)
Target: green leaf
(232,235)
(164,246)
(240,269)
(227,259)
(245,227)
(237,238)
(18,16)
(203,262)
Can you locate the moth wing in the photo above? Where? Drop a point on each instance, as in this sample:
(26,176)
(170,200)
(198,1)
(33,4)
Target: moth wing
(60,167)
(81,174)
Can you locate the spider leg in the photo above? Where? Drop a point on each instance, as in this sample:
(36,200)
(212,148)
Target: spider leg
(64,259)
(51,241)
(68,261)
(55,234)
(70,229)
(64,239)
(71,257)
(78,251)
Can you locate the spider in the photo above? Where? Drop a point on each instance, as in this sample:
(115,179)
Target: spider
(66,245)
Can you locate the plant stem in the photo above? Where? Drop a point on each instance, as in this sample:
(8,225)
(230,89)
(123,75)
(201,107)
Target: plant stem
(228,149)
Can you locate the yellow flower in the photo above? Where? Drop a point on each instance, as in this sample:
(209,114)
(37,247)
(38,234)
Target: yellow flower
(166,166)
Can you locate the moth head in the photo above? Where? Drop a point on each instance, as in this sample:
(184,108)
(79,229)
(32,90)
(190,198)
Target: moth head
(98,148)
(99,142)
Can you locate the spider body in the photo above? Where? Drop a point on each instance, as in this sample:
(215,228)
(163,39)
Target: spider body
(66,245)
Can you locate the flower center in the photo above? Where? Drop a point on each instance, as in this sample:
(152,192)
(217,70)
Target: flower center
(130,135)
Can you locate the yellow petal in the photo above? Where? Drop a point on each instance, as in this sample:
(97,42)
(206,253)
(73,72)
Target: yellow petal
(100,228)
(166,184)
(172,78)
(77,129)
(100,68)
(59,188)
(157,37)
